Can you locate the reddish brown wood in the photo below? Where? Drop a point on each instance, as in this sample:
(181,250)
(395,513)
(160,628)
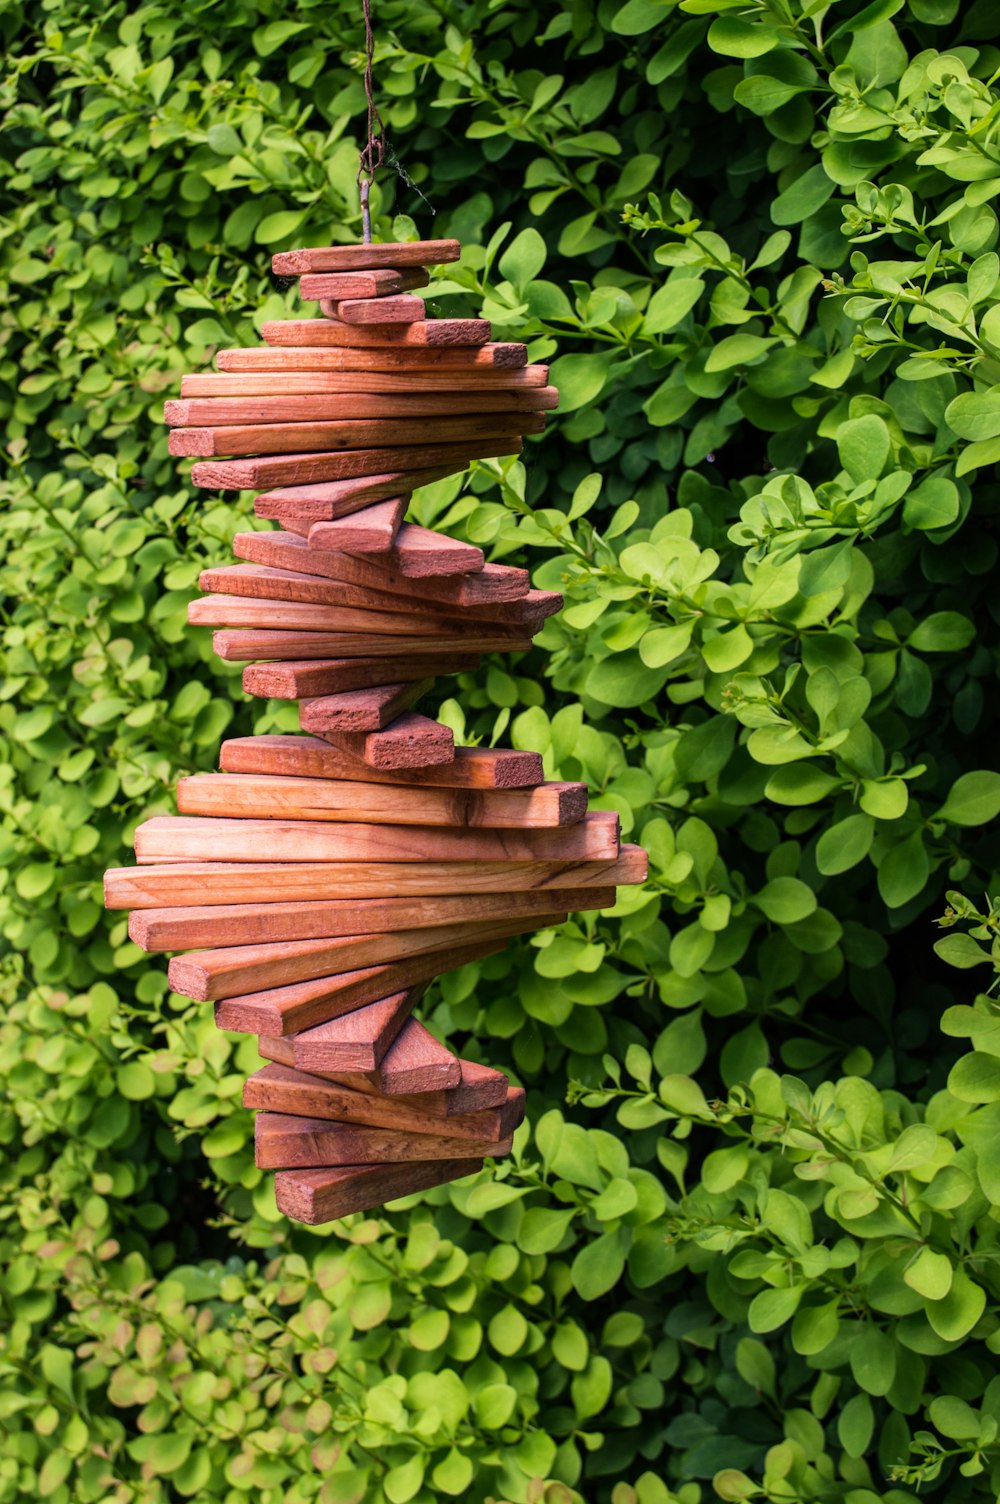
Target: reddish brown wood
(493,356)
(396,310)
(360,284)
(417,553)
(252,645)
(358,1041)
(282,1142)
(317,1196)
(195,927)
(278,1088)
(370,531)
(339,498)
(177,884)
(349,258)
(180,838)
(411,741)
(331,676)
(287,1010)
(306,468)
(415,1062)
(242,795)
(362,710)
(327,332)
(490,586)
(312,408)
(283,601)
(308,757)
(351,435)
(476,382)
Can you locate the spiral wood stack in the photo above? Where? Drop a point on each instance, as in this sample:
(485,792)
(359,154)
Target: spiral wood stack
(314,886)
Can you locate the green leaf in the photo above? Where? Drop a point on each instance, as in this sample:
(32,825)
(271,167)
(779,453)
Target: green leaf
(903,871)
(785,899)
(961,951)
(942,632)
(954,1317)
(734,37)
(856,1425)
(580,379)
(738,350)
(524,258)
(975,1078)
(930,1274)
(804,198)
(598,1266)
(975,415)
(671,303)
(280,226)
(864,446)
(772,1308)
(845,844)
(974,799)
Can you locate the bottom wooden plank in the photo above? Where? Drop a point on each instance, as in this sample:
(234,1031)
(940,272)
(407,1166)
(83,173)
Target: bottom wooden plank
(483,1106)
(412,741)
(315,1196)
(285,1143)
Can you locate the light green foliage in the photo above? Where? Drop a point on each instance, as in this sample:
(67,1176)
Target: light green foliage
(746,1246)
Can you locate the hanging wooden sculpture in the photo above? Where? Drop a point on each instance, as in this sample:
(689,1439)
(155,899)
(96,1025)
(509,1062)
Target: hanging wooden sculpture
(319,882)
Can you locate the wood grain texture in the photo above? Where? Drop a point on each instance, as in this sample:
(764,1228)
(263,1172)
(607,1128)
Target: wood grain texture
(340,498)
(283,1142)
(307,468)
(350,434)
(498,1109)
(308,757)
(400,309)
(349,258)
(317,1196)
(415,1062)
(235,646)
(377,610)
(362,710)
(475,382)
(183,838)
(494,584)
(373,530)
(264,796)
(279,1011)
(210,883)
(195,927)
(331,676)
(411,741)
(358,1041)
(418,553)
(491,356)
(374,283)
(283,611)
(312,408)
(327,332)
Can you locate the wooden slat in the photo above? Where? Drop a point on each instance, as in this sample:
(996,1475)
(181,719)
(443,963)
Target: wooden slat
(349,435)
(411,741)
(383,283)
(490,586)
(234,970)
(326,332)
(378,610)
(340,498)
(362,709)
(415,1062)
(257,645)
(417,553)
(307,467)
(217,411)
(358,1041)
(250,795)
(201,926)
(182,838)
(281,1011)
(396,310)
(317,1196)
(267,601)
(484,1106)
(177,884)
(331,676)
(308,757)
(349,258)
(488,357)
(373,530)
(282,1142)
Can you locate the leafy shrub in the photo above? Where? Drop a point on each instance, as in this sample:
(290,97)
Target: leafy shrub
(746,1248)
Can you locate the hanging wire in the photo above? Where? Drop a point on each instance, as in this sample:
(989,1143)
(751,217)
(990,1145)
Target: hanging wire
(373,152)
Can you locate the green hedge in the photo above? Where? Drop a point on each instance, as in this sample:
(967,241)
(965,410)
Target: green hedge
(746,1247)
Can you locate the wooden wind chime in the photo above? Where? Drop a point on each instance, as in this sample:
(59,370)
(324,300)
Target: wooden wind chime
(320,882)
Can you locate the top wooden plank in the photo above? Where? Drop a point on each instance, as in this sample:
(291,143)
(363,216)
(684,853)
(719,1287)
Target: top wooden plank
(351,258)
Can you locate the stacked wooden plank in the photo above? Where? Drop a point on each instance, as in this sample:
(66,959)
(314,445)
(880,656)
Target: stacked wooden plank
(315,886)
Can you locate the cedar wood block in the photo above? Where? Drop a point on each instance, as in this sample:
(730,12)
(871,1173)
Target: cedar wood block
(327,332)
(309,757)
(235,646)
(492,358)
(372,530)
(393,310)
(197,926)
(181,884)
(373,283)
(496,388)
(298,469)
(415,1062)
(317,1196)
(361,710)
(411,741)
(486,1105)
(330,676)
(350,435)
(313,407)
(283,1142)
(304,798)
(349,258)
